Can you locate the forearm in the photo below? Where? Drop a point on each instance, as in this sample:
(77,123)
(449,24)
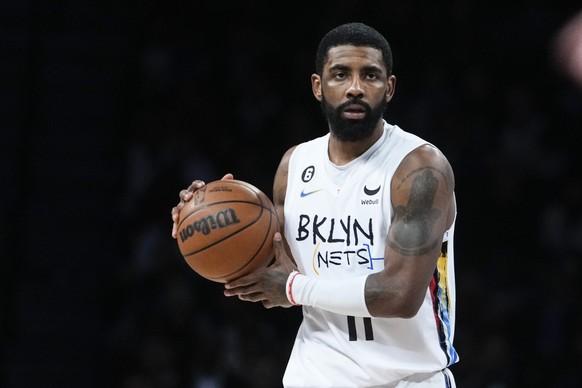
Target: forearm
(344,296)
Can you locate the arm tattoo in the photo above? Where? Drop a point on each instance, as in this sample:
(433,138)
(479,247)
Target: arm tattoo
(412,225)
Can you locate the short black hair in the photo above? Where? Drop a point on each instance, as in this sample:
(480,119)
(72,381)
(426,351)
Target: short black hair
(353,34)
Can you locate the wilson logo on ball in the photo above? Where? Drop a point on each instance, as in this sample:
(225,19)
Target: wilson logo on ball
(221,219)
(226,231)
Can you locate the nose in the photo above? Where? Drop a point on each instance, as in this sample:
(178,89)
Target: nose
(355,90)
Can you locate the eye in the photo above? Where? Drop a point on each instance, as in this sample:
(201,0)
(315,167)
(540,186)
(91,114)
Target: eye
(340,75)
(372,76)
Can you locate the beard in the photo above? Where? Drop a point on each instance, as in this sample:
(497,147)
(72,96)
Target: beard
(349,130)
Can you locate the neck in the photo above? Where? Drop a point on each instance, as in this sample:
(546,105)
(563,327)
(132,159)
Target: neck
(343,152)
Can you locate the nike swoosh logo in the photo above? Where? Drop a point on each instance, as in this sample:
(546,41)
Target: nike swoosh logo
(371,192)
(304,194)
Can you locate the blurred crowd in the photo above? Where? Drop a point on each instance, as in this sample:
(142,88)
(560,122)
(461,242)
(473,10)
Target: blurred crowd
(224,87)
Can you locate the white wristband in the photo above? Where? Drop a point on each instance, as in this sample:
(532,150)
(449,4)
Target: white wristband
(346,296)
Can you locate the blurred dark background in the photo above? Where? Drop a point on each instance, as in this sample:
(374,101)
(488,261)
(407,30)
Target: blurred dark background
(109,108)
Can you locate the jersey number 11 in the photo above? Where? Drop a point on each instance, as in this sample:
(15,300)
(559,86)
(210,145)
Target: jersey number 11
(367,328)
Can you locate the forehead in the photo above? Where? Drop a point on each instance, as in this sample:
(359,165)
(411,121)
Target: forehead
(351,56)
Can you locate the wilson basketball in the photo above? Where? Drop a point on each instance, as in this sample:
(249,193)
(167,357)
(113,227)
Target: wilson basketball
(226,230)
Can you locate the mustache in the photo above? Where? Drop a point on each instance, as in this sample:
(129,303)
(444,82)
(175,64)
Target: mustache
(354,101)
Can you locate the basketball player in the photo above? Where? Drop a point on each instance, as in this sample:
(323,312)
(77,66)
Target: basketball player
(368,214)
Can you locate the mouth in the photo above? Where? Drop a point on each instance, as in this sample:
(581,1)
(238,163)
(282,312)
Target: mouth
(354,112)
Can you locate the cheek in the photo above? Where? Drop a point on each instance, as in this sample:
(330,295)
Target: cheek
(332,95)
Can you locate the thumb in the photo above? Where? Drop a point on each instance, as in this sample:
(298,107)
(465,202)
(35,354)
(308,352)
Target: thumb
(278,243)
(281,255)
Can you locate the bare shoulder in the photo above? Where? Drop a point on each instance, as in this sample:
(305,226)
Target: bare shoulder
(280,182)
(425,161)
(287,156)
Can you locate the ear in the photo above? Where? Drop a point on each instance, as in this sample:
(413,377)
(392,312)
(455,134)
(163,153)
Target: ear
(391,88)
(316,86)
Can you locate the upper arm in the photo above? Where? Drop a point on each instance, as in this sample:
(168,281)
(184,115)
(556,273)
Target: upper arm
(280,190)
(422,199)
(422,195)
(280,185)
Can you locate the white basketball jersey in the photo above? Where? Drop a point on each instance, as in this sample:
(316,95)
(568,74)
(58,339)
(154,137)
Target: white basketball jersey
(336,223)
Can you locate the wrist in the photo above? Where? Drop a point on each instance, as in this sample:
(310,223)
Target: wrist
(289,287)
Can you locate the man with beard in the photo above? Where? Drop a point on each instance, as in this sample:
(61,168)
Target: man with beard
(367,214)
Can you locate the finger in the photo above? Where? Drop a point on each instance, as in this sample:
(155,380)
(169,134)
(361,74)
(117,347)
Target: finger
(175,214)
(242,282)
(185,195)
(197,184)
(251,298)
(228,176)
(240,291)
(175,219)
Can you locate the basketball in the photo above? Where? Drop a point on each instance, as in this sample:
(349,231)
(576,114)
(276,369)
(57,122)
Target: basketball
(226,230)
